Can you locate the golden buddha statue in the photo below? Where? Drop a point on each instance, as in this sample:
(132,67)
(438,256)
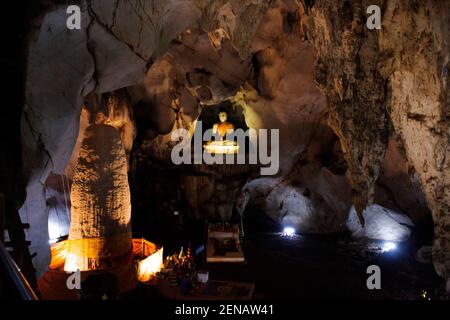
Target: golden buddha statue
(222,146)
(223,127)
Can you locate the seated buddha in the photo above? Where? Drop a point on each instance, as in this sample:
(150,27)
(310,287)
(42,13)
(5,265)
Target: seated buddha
(223,127)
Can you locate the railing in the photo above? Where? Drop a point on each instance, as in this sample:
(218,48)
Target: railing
(10,270)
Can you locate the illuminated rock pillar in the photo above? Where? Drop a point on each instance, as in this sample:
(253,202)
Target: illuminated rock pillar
(100,230)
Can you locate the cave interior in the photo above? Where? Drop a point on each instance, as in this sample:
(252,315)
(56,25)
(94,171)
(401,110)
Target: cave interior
(359,139)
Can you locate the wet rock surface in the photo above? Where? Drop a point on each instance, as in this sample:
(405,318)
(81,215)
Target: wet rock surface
(381,224)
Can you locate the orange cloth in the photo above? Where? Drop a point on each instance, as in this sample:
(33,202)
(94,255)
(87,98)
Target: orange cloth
(143,248)
(223,127)
(52,285)
(59,253)
(140,248)
(97,253)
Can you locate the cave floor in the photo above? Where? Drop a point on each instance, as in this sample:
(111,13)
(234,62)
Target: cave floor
(326,267)
(312,267)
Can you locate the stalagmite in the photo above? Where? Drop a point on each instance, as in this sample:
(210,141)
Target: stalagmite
(100,231)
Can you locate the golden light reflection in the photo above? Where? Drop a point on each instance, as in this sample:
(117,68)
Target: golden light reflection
(148,267)
(148,257)
(222,147)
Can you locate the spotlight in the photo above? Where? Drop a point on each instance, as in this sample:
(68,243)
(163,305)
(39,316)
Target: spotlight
(388,246)
(288,232)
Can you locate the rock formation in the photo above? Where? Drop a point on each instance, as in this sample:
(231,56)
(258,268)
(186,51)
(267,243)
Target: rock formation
(415,60)
(380,224)
(100,227)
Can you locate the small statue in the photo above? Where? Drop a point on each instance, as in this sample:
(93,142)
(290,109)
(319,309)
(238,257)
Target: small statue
(223,127)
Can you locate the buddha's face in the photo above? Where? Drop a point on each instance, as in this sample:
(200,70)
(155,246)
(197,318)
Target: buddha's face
(223,116)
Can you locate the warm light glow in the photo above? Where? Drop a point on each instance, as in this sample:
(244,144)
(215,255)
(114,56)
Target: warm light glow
(59,254)
(148,267)
(62,259)
(71,263)
(388,246)
(288,231)
(82,252)
(222,147)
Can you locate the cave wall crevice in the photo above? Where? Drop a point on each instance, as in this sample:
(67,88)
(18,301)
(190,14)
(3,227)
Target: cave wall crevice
(347,73)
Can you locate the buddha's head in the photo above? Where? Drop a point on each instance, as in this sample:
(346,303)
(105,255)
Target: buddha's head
(223,116)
